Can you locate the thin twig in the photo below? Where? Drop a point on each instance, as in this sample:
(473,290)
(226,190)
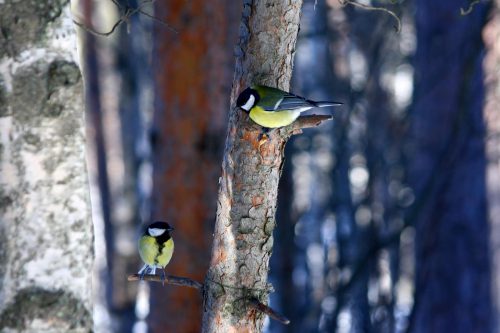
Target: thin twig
(116,3)
(368,7)
(124,18)
(158,20)
(467,11)
(169,279)
(254,303)
(97,33)
(129,12)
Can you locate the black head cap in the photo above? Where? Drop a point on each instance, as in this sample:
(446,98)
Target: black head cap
(247,99)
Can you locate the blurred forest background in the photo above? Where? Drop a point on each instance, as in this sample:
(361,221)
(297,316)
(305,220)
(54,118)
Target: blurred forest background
(388,216)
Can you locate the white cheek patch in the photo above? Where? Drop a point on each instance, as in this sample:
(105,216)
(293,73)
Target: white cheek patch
(155,232)
(248,105)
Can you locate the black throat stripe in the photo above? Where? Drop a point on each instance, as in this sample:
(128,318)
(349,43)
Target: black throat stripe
(162,239)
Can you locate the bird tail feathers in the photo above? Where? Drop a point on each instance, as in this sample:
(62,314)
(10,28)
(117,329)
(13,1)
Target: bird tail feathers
(325,104)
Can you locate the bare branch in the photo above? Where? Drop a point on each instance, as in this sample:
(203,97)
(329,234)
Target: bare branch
(169,279)
(368,7)
(254,303)
(311,121)
(97,33)
(306,122)
(187,282)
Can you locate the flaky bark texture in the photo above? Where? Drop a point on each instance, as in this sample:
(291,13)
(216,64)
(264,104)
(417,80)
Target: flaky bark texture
(250,173)
(491,114)
(45,229)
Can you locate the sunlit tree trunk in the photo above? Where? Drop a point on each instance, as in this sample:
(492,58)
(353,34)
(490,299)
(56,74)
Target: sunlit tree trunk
(491,115)
(45,231)
(449,172)
(193,75)
(248,189)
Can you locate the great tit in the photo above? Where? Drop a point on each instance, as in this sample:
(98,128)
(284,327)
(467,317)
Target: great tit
(156,247)
(272,107)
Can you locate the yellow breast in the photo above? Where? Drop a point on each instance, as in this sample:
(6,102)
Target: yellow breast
(271,119)
(166,253)
(150,251)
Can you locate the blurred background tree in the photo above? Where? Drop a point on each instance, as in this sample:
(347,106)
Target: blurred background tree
(193,74)
(448,172)
(386,216)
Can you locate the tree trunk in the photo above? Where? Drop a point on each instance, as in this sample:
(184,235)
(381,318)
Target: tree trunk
(491,116)
(45,233)
(193,84)
(448,172)
(250,173)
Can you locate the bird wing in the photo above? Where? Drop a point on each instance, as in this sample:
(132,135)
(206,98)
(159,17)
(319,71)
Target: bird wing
(273,99)
(148,249)
(293,102)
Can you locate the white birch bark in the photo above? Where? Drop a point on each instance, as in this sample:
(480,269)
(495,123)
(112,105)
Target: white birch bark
(45,227)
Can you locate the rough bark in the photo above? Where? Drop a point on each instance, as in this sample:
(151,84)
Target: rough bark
(45,231)
(248,189)
(448,171)
(491,36)
(193,76)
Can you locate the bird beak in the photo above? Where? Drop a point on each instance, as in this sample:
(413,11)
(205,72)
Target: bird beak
(171,229)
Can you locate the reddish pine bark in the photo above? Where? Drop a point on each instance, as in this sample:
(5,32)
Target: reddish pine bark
(193,75)
(250,174)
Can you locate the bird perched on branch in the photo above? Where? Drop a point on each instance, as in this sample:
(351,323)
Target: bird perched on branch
(156,247)
(272,107)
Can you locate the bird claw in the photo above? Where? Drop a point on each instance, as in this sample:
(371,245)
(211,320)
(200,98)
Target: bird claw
(147,270)
(143,271)
(262,139)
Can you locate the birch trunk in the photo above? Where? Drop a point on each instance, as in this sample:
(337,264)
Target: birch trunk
(250,174)
(45,229)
